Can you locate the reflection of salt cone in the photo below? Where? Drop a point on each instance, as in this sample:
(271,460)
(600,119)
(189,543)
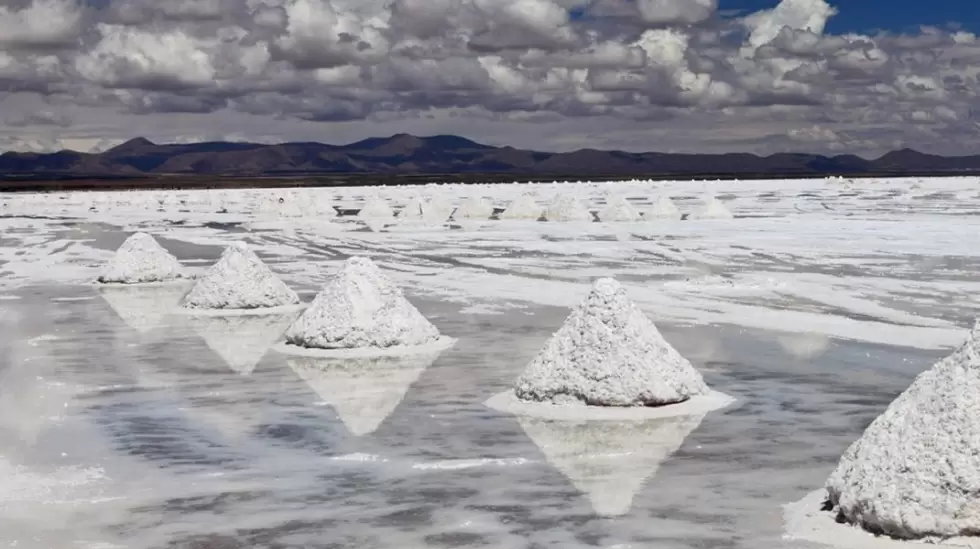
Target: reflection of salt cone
(241,341)
(609,461)
(363,391)
(143,308)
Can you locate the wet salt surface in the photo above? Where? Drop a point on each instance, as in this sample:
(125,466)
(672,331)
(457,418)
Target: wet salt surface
(179,450)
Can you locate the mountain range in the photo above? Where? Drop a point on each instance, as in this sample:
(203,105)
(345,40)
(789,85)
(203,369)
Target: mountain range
(404,154)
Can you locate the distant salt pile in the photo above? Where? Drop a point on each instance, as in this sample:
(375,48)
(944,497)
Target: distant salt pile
(376,208)
(663,209)
(239,281)
(618,209)
(474,208)
(437,209)
(141,259)
(524,208)
(412,209)
(567,209)
(360,308)
(915,471)
(608,353)
(712,209)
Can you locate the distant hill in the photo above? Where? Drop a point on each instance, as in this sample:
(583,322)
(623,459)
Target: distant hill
(404,154)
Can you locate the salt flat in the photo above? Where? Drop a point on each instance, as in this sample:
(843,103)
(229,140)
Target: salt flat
(814,308)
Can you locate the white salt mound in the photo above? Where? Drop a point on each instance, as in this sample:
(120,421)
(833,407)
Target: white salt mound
(474,208)
(376,208)
(239,280)
(618,209)
(412,210)
(608,353)
(915,472)
(566,209)
(712,209)
(524,208)
(361,308)
(437,210)
(141,259)
(663,208)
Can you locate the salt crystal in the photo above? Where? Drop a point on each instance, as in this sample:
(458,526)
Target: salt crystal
(664,208)
(618,209)
(361,308)
(915,471)
(141,259)
(239,280)
(566,209)
(608,353)
(524,208)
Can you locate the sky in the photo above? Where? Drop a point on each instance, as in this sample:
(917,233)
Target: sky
(710,76)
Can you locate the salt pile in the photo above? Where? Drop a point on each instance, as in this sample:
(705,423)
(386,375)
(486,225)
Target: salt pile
(376,208)
(663,208)
(360,308)
(474,208)
(437,210)
(712,209)
(609,461)
(141,259)
(618,209)
(608,353)
(241,341)
(412,210)
(363,391)
(524,208)
(565,209)
(915,472)
(239,281)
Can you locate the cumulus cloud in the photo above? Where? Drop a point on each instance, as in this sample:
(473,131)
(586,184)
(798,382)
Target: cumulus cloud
(506,71)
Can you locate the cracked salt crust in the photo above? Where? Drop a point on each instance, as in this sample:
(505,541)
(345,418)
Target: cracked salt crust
(915,472)
(141,259)
(360,308)
(239,281)
(608,353)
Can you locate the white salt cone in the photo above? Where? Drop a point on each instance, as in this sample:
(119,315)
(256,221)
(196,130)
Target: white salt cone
(141,259)
(608,353)
(915,471)
(239,281)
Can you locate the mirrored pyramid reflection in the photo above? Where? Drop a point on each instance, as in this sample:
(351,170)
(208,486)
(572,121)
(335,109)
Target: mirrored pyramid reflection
(144,308)
(363,391)
(609,461)
(241,341)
